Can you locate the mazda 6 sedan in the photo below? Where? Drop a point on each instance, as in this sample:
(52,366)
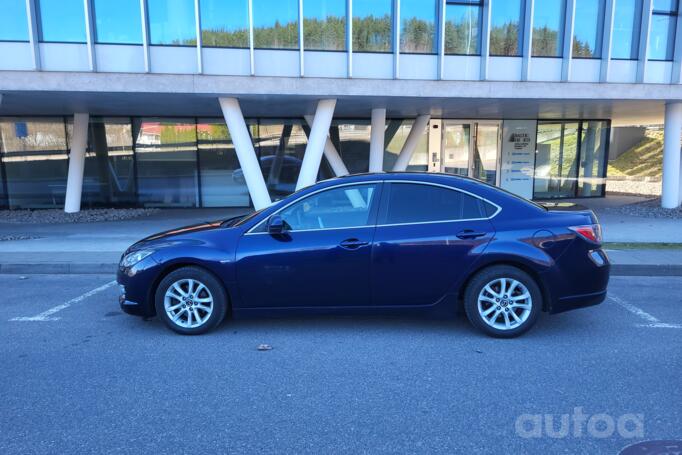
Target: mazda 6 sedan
(374,243)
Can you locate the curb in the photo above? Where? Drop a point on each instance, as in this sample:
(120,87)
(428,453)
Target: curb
(69,268)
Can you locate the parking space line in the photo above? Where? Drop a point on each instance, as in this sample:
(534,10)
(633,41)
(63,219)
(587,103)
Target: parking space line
(46,315)
(652,321)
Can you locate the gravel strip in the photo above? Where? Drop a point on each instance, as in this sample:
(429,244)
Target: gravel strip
(647,209)
(55,216)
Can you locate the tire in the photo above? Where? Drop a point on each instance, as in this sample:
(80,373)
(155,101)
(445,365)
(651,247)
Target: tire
(490,310)
(178,304)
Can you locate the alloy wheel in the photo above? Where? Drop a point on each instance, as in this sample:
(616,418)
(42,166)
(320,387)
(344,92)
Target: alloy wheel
(504,303)
(188,303)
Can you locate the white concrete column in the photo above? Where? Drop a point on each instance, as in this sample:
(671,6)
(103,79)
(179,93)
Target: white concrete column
(319,131)
(330,152)
(74,180)
(670,194)
(376,140)
(411,142)
(245,152)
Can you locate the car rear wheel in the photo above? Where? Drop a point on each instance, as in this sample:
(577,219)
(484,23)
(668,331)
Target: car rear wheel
(503,301)
(191,301)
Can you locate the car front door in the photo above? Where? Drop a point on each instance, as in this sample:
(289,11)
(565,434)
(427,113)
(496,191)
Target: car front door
(427,237)
(321,259)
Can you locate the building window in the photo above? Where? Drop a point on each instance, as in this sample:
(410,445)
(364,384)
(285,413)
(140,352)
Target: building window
(548,28)
(166,155)
(222,182)
(506,28)
(61,21)
(462,27)
(372,25)
(275,24)
(109,175)
(117,22)
(171,22)
(397,131)
(570,160)
(418,26)
(324,25)
(626,26)
(662,33)
(13,23)
(35,159)
(224,23)
(587,28)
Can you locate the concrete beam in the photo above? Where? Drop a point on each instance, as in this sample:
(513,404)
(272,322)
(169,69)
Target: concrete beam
(672,163)
(74,180)
(245,152)
(319,132)
(411,142)
(376,140)
(330,152)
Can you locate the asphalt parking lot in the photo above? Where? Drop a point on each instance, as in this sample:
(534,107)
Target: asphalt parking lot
(80,376)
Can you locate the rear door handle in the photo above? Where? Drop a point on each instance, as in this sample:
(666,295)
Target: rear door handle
(352,244)
(470,234)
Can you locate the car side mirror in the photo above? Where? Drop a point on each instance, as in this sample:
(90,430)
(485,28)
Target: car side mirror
(275,224)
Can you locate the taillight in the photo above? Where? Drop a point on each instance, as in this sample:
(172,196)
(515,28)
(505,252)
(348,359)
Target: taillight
(591,232)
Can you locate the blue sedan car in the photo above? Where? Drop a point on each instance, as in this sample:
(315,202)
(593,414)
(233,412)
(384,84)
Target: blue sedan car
(419,242)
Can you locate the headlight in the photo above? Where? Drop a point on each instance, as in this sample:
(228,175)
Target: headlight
(133,258)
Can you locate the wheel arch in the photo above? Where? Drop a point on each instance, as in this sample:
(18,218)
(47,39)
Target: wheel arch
(521,265)
(170,268)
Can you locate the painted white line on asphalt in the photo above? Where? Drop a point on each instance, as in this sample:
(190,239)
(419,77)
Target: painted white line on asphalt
(661,325)
(633,309)
(46,315)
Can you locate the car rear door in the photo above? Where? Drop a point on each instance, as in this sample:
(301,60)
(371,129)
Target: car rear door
(321,260)
(427,237)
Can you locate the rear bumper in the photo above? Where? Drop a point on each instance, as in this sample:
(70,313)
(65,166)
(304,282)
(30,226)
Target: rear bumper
(578,301)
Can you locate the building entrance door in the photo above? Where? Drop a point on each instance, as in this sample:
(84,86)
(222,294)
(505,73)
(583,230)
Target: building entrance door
(468,148)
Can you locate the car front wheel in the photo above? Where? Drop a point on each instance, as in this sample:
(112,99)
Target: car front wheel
(503,301)
(191,301)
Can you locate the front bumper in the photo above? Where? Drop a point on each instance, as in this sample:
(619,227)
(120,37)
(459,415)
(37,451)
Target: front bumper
(134,287)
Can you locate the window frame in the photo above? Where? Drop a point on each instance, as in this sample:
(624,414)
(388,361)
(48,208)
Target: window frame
(373,209)
(599,44)
(95,30)
(673,13)
(637,30)
(39,27)
(521,32)
(383,211)
(560,35)
(476,3)
(392,43)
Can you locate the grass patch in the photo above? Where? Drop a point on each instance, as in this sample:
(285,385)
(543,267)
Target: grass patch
(642,246)
(643,160)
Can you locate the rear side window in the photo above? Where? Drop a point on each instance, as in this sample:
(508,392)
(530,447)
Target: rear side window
(415,203)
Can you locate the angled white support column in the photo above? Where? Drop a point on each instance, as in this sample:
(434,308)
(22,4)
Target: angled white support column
(411,142)
(330,152)
(670,194)
(319,132)
(376,140)
(74,180)
(245,152)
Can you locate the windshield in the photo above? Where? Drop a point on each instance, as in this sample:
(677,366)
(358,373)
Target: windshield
(244,219)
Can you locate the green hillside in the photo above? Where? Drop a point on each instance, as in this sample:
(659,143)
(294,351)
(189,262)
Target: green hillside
(643,160)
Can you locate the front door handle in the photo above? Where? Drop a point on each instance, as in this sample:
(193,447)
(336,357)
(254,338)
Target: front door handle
(470,234)
(352,244)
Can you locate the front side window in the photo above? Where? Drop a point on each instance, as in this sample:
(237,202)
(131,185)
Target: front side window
(117,22)
(506,34)
(61,21)
(418,26)
(171,22)
(626,21)
(417,203)
(13,24)
(224,23)
(372,25)
(275,24)
(589,15)
(341,207)
(324,25)
(662,33)
(462,27)
(548,28)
